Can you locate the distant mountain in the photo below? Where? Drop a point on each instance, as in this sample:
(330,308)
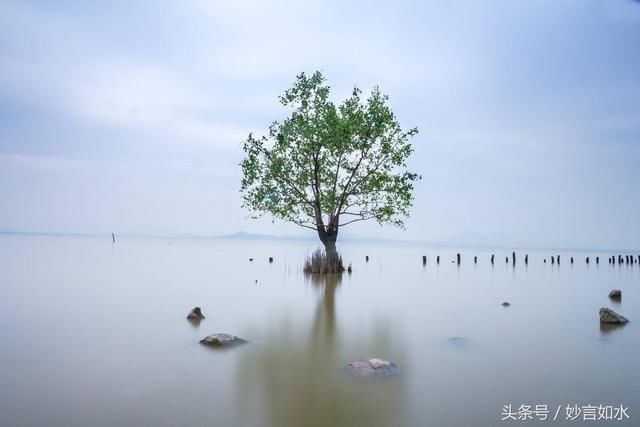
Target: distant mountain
(243,235)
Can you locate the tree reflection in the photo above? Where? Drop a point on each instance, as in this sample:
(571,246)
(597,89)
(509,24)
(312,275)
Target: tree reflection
(295,378)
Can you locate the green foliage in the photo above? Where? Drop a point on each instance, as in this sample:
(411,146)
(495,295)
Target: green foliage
(326,166)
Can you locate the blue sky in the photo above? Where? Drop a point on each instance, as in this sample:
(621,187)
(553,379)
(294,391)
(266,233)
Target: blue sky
(129,116)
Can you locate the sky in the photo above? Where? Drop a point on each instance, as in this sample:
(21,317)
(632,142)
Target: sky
(129,116)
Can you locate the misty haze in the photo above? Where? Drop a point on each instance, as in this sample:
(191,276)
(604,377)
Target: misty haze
(272,213)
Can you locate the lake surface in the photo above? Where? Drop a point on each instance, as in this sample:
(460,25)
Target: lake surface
(94,334)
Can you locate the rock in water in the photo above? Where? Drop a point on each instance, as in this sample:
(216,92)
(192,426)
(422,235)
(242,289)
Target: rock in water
(609,316)
(372,367)
(616,293)
(222,340)
(196,313)
(506,304)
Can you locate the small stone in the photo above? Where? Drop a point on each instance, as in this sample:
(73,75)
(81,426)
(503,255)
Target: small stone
(372,367)
(616,293)
(222,340)
(196,313)
(609,316)
(506,304)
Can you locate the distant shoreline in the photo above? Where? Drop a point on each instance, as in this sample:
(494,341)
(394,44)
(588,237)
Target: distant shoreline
(240,236)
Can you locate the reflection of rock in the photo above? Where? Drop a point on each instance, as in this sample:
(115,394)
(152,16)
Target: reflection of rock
(615,294)
(609,316)
(506,304)
(222,340)
(195,322)
(196,313)
(372,367)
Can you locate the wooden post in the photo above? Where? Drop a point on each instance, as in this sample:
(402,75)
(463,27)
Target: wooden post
(597,260)
(571,260)
(113,236)
(438,259)
(366,258)
(587,260)
(553,259)
(492,255)
(526,259)
(545,260)
(475,259)
(270,259)
(424,260)
(558,259)
(458,258)
(513,257)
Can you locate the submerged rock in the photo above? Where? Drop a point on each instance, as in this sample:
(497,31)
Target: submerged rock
(616,293)
(222,340)
(459,342)
(506,304)
(372,367)
(609,316)
(196,313)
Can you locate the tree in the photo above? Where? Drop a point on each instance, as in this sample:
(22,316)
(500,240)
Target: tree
(325,167)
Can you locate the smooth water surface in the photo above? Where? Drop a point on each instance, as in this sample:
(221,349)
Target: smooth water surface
(94,334)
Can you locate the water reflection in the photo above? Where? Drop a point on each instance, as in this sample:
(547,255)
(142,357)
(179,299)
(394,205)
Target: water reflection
(295,378)
(195,322)
(607,328)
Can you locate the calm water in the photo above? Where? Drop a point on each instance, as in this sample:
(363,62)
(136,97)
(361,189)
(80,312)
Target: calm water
(94,334)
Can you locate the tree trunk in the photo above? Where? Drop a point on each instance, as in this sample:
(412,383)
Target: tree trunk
(330,249)
(328,236)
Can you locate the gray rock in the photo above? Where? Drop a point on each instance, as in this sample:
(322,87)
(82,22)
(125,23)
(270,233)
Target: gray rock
(222,340)
(196,313)
(506,304)
(372,367)
(616,293)
(609,316)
